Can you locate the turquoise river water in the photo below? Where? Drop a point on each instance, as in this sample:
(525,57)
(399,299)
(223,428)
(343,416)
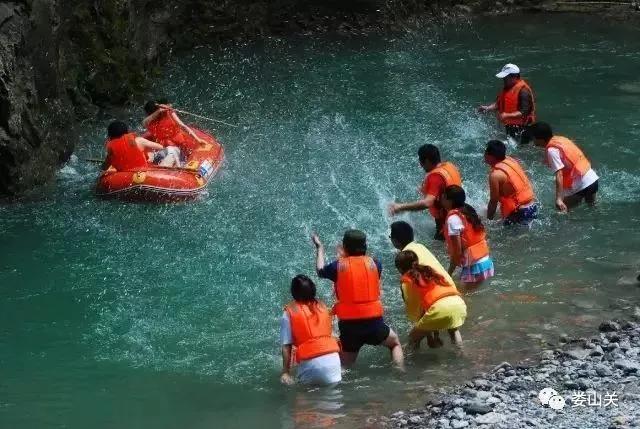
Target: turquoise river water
(117,315)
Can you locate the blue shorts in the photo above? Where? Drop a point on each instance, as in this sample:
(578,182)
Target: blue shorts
(356,333)
(523,216)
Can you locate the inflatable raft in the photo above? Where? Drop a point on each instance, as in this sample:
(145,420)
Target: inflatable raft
(165,184)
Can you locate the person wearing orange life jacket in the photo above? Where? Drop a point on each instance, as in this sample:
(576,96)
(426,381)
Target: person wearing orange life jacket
(515,104)
(306,336)
(509,186)
(466,239)
(127,151)
(574,177)
(357,288)
(440,304)
(166,128)
(439,175)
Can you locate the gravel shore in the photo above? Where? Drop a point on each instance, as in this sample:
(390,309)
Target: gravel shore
(596,382)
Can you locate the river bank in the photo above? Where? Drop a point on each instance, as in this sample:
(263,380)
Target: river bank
(596,381)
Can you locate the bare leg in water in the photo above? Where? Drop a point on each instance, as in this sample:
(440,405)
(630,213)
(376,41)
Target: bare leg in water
(393,344)
(456,338)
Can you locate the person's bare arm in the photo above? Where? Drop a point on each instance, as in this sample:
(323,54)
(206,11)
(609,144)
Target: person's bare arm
(560,205)
(488,107)
(187,129)
(455,256)
(148,144)
(494,194)
(320,253)
(286,377)
(516,114)
(153,116)
(107,161)
(418,205)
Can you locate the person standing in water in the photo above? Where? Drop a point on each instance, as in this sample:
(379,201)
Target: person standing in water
(439,175)
(575,179)
(509,186)
(440,304)
(166,128)
(357,289)
(515,105)
(306,326)
(466,239)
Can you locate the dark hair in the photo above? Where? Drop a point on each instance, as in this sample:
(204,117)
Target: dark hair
(117,129)
(542,131)
(496,149)
(402,232)
(303,289)
(407,262)
(457,196)
(150,107)
(429,152)
(355,242)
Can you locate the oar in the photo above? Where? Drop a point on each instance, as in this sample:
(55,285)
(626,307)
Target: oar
(151,167)
(204,117)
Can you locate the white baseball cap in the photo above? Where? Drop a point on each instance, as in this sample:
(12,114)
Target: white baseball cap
(507,70)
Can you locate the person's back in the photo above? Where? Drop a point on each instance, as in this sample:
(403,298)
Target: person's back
(123,152)
(306,325)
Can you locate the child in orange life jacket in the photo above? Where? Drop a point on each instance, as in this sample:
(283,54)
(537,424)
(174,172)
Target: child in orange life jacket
(466,238)
(574,177)
(166,128)
(306,325)
(439,301)
(357,288)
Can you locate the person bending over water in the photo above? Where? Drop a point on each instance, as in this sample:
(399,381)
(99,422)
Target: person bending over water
(356,278)
(439,301)
(466,239)
(126,150)
(509,185)
(574,177)
(306,325)
(439,176)
(165,126)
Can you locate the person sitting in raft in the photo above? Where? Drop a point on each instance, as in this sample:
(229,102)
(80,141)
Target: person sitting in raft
(439,176)
(509,185)
(466,239)
(439,301)
(166,128)
(575,179)
(402,238)
(306,326)
(515,105)
(126,150)
(356,278)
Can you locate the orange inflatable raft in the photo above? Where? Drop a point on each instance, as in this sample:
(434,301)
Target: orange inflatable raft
(164,184)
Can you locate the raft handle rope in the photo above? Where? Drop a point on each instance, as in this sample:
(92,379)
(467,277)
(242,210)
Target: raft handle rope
(184,112)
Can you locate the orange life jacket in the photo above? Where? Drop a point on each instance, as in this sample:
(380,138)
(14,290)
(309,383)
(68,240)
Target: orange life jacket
(474,242)
(451,176)
(124,153)
(429,291)
(357,289)
(166,131)
(523,191)
(574,160)
(311,330)
(508,103)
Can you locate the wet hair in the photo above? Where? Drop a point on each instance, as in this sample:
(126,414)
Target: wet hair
(429,152)
(457,196)
(117,129)
(402,232)
(541,131)
(355,242)
(303,289)
(151,106)
(496,149)
(407,263)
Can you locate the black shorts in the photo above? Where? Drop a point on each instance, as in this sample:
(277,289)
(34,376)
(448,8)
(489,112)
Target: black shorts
(356,333)
(588,191)
(522,133)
